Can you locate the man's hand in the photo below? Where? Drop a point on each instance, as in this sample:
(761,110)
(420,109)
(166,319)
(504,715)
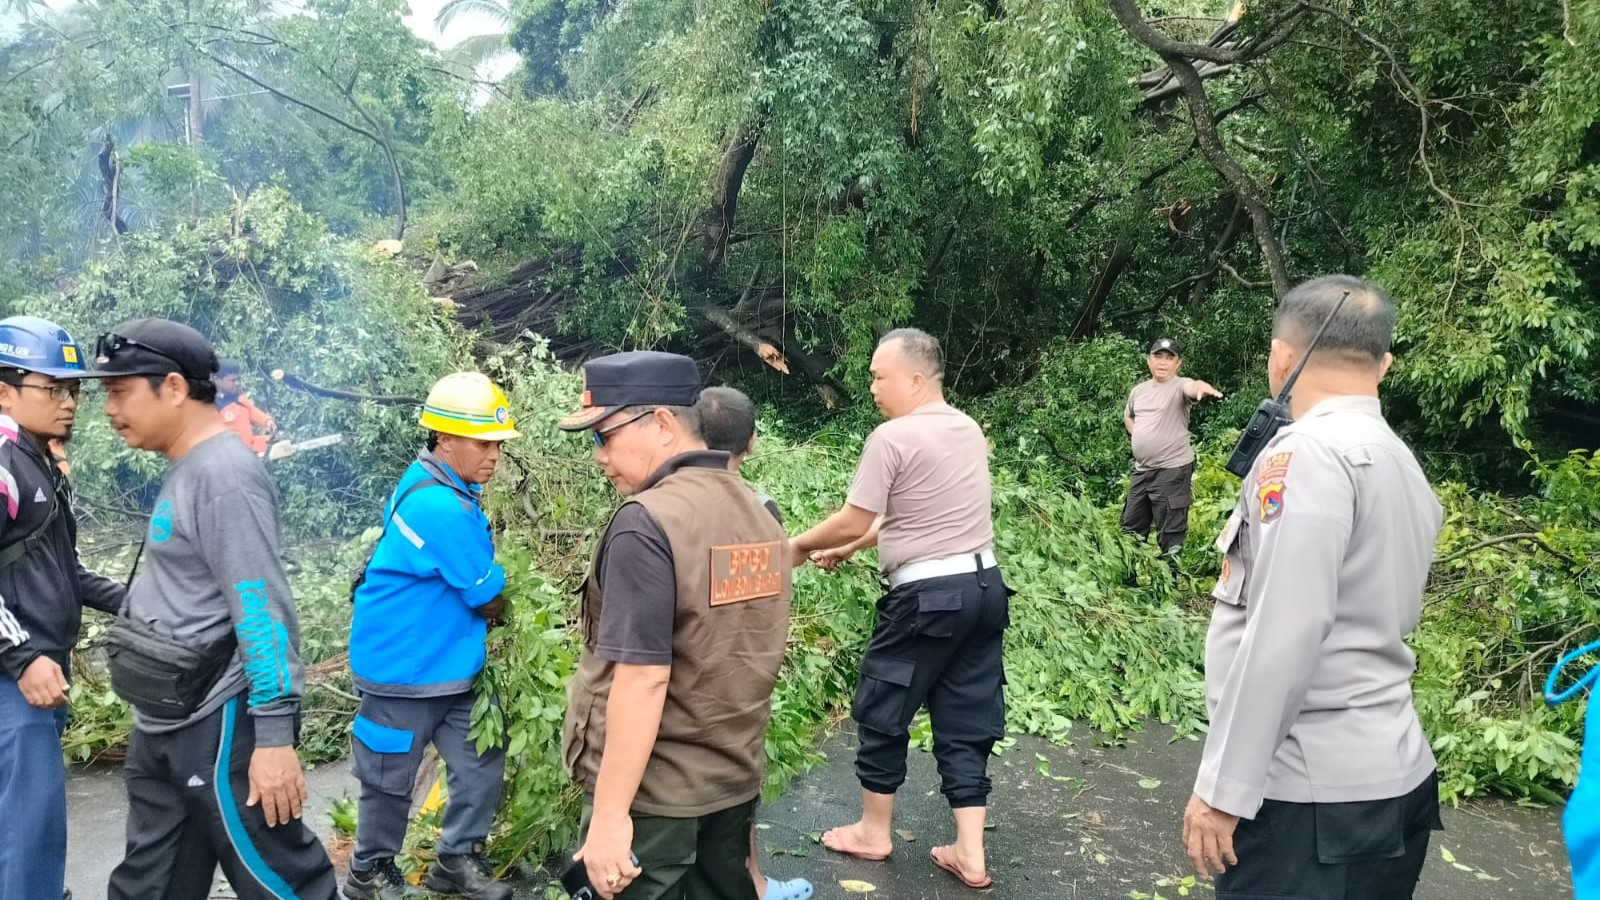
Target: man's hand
(43,684)
(798,555)
(607,854)
(277,783)
(1208,837)
(829,560)
(1203,389)
(495,609)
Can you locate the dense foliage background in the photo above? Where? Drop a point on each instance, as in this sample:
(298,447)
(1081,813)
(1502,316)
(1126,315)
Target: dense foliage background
(767,185)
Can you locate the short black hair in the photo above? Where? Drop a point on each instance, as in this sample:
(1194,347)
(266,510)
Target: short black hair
(226,367)
(204,391)
(921,348)
(433,441)
(1360,334)
(727,419)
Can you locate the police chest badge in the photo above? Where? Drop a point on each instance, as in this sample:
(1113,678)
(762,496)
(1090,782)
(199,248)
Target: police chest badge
(1270,485)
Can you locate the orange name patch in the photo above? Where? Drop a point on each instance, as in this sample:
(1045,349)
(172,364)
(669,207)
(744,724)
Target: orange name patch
(745,572)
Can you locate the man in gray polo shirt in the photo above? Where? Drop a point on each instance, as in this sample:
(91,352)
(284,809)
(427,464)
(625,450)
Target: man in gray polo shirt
(938,638)
(1157,418)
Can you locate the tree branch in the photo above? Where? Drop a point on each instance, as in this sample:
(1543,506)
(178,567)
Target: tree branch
(1506,539)
(300,384)
(1205,128)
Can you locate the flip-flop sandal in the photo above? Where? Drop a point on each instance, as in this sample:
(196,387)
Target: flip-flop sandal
(869,857)
(793,889)
(949,866)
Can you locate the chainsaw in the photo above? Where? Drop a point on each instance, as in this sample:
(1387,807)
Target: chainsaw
(286,449)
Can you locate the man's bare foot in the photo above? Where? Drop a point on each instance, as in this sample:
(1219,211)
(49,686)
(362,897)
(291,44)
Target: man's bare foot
(970,869)
(853,840)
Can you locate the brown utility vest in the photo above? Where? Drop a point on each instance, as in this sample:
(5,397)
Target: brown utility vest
(732,621)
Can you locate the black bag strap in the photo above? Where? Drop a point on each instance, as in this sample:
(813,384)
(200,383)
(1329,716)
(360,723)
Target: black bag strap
(361,576)
(17,549)
(430,481)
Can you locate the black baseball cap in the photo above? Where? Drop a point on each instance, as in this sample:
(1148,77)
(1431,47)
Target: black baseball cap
(1167,345)
(154,347)
(639,378)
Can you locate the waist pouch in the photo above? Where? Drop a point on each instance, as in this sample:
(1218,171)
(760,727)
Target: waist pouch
(161,677)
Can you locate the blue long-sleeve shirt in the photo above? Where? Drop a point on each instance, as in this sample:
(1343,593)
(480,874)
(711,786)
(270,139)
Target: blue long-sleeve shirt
(417,629)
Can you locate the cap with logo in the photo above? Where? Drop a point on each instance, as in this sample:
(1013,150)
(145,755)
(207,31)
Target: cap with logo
(32,344)
(1166,345)
(468,404)
(154,347)
(638,378)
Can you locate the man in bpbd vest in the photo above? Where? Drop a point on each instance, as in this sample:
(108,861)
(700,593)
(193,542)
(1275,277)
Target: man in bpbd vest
(684,621)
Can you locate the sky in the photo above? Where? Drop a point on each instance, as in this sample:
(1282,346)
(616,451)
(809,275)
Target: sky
(420,21)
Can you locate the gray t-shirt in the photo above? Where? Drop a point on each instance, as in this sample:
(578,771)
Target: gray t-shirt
(927,474)
(211,562)
(1160,413)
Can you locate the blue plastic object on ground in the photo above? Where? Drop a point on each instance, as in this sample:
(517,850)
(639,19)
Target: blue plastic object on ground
(793,889)
(1581,822)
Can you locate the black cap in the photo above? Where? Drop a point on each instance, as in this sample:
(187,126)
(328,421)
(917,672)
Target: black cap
(640,378)
(154,347)
(1167,345)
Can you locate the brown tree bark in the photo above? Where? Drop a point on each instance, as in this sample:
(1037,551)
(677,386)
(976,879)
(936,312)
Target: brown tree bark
(1179,58)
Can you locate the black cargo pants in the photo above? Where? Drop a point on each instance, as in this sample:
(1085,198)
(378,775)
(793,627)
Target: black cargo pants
(1160,497)
(937,641)
(186,813)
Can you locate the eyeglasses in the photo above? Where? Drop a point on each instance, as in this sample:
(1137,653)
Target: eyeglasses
(58,392)
(110,344)
(600,435)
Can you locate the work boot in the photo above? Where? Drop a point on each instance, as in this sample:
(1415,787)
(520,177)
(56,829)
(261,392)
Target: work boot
(467,874)
(382,881)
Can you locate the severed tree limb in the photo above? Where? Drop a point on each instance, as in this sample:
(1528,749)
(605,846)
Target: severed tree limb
(300,384)
(769,354)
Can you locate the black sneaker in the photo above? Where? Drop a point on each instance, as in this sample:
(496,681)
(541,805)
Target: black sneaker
(467,874)
(381,882)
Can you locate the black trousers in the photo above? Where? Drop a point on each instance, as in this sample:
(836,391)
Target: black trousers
(937,641)
(703,858)
(1160,497)
(1372,850)
(186,814)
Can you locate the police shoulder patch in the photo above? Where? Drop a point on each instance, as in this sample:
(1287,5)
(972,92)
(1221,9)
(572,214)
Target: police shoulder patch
(1271,483)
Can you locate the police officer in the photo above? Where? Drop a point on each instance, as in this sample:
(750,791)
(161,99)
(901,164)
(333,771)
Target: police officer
(217,779)
(417,642)
(728,423)
(1317,782)
(684,620)
(43,589)
(939,630)
(1157,419)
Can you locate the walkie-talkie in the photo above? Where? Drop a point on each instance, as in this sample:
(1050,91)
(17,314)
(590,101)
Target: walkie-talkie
(1273,414)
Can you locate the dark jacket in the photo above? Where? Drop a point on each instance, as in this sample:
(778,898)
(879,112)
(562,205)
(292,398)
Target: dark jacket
(42,595)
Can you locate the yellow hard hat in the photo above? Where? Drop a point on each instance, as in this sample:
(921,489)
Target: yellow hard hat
(468,404)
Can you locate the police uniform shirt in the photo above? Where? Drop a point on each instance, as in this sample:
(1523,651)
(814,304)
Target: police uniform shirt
(1160,414)
(927,474)
(1308,678)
